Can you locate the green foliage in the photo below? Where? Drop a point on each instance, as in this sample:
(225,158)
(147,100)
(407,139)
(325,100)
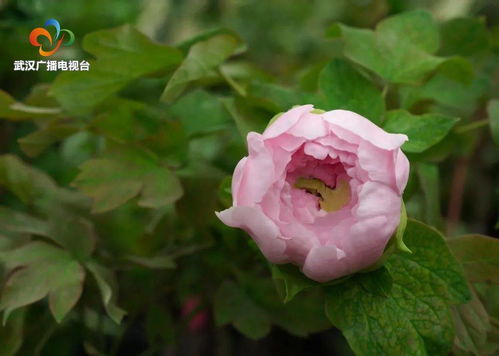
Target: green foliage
(401,50)
(41,270)
(123,54)
(345,88)
(232,305)
(423,131)
(479,256)
(203,57)
(464,36)
(493,111)
(116,173)
(123,174)
(411,316)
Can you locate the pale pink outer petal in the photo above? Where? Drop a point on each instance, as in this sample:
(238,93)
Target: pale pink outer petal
(236,180)
(401,170)
(258,173)
(378,163)
(309,126)
(263,230)
(362,127)
(284,122)
(324,263)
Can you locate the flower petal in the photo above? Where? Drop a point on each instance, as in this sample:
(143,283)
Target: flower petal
(363,128)
(263,230)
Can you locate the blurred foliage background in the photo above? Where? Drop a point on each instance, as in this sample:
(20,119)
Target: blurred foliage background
(147,247)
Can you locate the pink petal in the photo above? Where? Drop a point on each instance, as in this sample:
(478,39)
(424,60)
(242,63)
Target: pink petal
(263,230)
(324,263)
(284,122)
(258,174)
(401,170)
(363,128)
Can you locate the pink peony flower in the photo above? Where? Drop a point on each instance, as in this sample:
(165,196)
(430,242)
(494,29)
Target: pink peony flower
(321,190)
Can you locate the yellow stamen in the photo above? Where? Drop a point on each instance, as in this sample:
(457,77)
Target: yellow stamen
(330,199)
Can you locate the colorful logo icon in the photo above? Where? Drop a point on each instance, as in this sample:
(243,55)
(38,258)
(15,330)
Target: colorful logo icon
(66,37)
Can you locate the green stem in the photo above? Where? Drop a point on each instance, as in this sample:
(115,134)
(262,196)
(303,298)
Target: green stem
(478,124)
(385,90)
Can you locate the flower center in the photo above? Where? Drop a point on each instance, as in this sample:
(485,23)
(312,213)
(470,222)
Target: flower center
(329,199)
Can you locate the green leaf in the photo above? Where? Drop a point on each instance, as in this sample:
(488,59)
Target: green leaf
(400,50)
(458,69)
(472,326)
(293,280)
(479,255)
(411,318)
(429,180)
(36,142)
(278,98)
(46,270)
(203,57)
(127,172)
(116,119)
(200,112)
(399,233)
(161,187)
(14,110)
(233,305)
(107,286)
(123,54)
(27,183)
(464,36)
(17,221)
(345,88)
(74,233)
(493,112)
(247,118)
(301,316)
(12,334)
(424,131)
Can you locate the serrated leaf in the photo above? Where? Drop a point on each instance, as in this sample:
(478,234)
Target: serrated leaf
(200,112)
(36,142)
(233,305)
(400,50)
(493,112)
(113,181)
(105,282)
(27,183)
(424,131)
(345,88)
(161,187)
(41,269)
(479,255)
(203,57)
(17,221)
(123,54)
(414,316)
(116,119)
